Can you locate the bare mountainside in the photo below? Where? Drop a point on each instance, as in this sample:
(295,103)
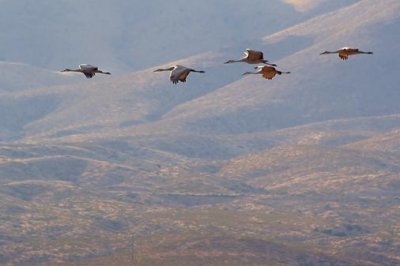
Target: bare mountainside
(314,196)
(220,170)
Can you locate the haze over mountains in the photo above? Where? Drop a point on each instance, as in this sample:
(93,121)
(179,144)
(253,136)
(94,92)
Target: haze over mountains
(127,35)
(220,170)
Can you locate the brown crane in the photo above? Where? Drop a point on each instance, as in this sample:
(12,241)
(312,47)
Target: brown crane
(252,57)
(268,72)
(345,52)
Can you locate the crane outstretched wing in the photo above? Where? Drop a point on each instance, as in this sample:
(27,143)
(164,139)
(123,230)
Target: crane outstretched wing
(253,55)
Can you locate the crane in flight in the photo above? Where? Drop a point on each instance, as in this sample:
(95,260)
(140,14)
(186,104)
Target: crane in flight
(88,70)
(252,57)
(178,73)
(268,72)
(345,52)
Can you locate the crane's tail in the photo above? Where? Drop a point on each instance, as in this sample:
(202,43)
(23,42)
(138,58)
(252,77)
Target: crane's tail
(269,64)
(280,72)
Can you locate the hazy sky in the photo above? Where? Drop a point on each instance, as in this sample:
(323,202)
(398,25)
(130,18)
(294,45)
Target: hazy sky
(127,34)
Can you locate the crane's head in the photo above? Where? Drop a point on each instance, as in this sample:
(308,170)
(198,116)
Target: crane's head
(230,61)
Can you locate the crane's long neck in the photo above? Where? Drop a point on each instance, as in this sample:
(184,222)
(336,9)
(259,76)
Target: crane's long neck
(198,71)
(71,70)
(282,72)
(361,52)
(266,62)
(236,61)
(248,73)
(101,72)
(164,69)
(329,52)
